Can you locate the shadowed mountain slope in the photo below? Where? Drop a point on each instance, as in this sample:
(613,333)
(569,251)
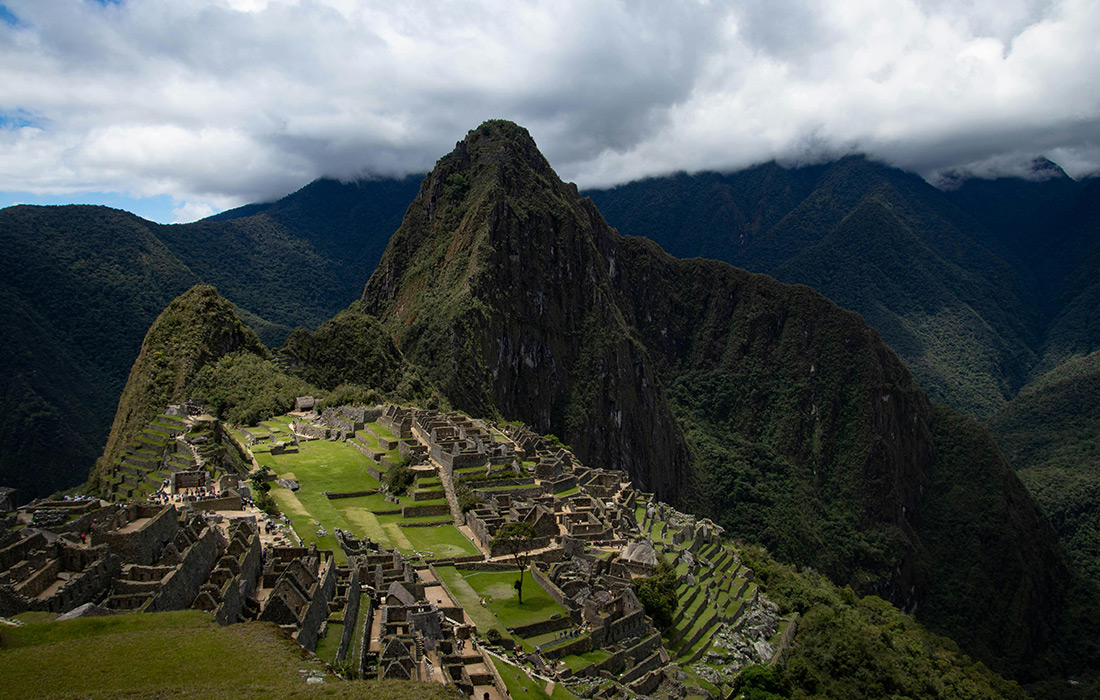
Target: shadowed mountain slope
(937,284)
(80,285)
(765,405)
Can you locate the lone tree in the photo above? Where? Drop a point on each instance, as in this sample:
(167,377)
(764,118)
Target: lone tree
(517,538)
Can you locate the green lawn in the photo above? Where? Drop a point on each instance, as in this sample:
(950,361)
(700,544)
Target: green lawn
(181,654)
(523,687)
(384,432)
(319,466)
(497,588)
(441,540)
(328,645)
(578,661)
(469,599)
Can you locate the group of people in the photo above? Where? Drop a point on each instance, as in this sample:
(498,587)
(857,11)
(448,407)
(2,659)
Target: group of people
(570,633)
(187,494)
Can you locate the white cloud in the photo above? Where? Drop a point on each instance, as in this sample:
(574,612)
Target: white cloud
(187,212)
(221,102)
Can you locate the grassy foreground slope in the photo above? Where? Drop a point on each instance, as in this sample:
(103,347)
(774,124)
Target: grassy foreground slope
(181,654)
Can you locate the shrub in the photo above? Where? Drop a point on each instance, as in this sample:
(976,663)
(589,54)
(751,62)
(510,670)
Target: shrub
(399,478)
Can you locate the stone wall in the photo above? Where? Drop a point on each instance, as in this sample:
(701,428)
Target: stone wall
(520,493)
(144,545)
(617,661)
(501,549)
(555,623)
(563,483)
(333,495)
(317,611)
(364,642)
(552,589)
(311,432)
(90,584)
(232,501)
(242,585)
(180,587)
(425,511)
(649,663)
(351,613)
(335,419)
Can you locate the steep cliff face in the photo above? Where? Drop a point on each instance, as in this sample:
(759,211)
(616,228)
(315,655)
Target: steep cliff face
(762,404)
(498,283)
(196,329)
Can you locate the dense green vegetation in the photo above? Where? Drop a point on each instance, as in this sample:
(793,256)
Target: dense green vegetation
(657,593)
(353,355)
(245,388)
(80,285)
(1051,433)
(862,647)
(945,293)
(198,328)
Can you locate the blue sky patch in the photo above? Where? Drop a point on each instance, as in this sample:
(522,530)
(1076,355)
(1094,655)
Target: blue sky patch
(17,119)
(159,208)
(8,17)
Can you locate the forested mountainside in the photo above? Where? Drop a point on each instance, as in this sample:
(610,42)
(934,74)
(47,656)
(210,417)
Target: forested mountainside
(765,405)
(81,285)
(945,292)
(987,289)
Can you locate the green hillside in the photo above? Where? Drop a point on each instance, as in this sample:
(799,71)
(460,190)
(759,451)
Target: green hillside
(80,285)
(939,286)
(1051,434)
(199,328)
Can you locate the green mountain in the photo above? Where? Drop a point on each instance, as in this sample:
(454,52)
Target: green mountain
(939,286)
(198,328)
(1051,434)
(988,289)
(80,286)
(767,406)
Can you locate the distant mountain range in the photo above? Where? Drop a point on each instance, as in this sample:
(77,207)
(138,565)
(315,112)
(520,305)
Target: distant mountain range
(989,290)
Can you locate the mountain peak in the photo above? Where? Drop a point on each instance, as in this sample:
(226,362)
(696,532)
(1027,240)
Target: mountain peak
(197,328)
(498,156)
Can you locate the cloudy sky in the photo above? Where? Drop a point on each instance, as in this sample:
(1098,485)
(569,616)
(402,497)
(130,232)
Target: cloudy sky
(175,109)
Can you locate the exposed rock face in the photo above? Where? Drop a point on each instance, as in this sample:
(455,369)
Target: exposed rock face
(763,404)
(498,282)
